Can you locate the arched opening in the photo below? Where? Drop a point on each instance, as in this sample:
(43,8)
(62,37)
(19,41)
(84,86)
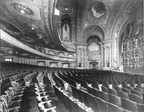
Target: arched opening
(93,65)
(66,28)
(94,52)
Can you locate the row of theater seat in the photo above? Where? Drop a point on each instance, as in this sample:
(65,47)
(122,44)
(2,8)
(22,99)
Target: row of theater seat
(15,103)
(105,96)
(13,86)
(44,104)
(105,87)
(70,102)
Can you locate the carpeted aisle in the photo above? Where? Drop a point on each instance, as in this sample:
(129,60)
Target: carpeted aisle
(29,102)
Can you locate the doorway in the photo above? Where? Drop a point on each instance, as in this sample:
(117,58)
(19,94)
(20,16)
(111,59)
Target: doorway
(93,65)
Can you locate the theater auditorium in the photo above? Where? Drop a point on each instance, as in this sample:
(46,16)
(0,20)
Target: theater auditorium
(71,56)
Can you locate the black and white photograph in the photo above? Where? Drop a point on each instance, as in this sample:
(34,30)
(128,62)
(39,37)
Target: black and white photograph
(71,55)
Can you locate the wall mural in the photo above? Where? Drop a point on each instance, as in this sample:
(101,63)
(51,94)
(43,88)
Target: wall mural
(132,50)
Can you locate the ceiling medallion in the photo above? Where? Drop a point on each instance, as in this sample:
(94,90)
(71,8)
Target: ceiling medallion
(98,9)
(22,9)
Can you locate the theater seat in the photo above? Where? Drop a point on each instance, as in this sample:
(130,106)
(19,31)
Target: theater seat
(136,98)
(118,88)
(102,105)
(14,104)
(139,89)
(129,87)
(136,92)
(14,110)
(126,90)
(114,108)
(129,105)
(123,94)
(46,106)
(115,100)
(93,104)
(140,107)
(14,107)
(103,95)
(112,91)
(104,89)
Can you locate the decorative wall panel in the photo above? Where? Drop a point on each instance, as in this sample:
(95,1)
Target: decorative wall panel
(133,48)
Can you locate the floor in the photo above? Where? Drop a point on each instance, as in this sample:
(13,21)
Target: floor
(29,102)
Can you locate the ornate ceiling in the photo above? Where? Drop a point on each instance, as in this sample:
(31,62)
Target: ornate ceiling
(35,22)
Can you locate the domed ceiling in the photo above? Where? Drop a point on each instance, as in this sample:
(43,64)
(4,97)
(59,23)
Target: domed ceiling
(35,23)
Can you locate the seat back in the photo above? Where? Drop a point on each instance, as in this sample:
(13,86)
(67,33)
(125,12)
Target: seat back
(136,92)
(112,91)
(140,107)
(138,89)
(114,108)
(118,88)
(136,98)
(85,99)
(102,105)
(93,104)
(115,100)
(123,94)
(129,105)
(103,95)
(93,91)
(126,90)
(104,89)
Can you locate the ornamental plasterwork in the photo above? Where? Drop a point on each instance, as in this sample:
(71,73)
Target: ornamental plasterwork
(47,14)
(13,21)
(98,9)
(92,30)
(111,18)
(123,18)
(48,11)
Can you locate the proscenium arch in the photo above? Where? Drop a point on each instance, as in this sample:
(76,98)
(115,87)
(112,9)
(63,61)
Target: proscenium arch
(93,30)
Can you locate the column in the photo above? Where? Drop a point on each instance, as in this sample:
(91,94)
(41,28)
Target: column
(103,56)
(0,86)
(60,31)
(73,31)
(110,56)
(85,57)
(101,61)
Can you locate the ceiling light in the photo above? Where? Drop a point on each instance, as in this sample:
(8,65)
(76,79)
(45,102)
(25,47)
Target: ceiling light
(32,28)
(66,9)
(22,11)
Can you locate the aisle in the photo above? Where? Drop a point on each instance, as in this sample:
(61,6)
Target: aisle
(29,103)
